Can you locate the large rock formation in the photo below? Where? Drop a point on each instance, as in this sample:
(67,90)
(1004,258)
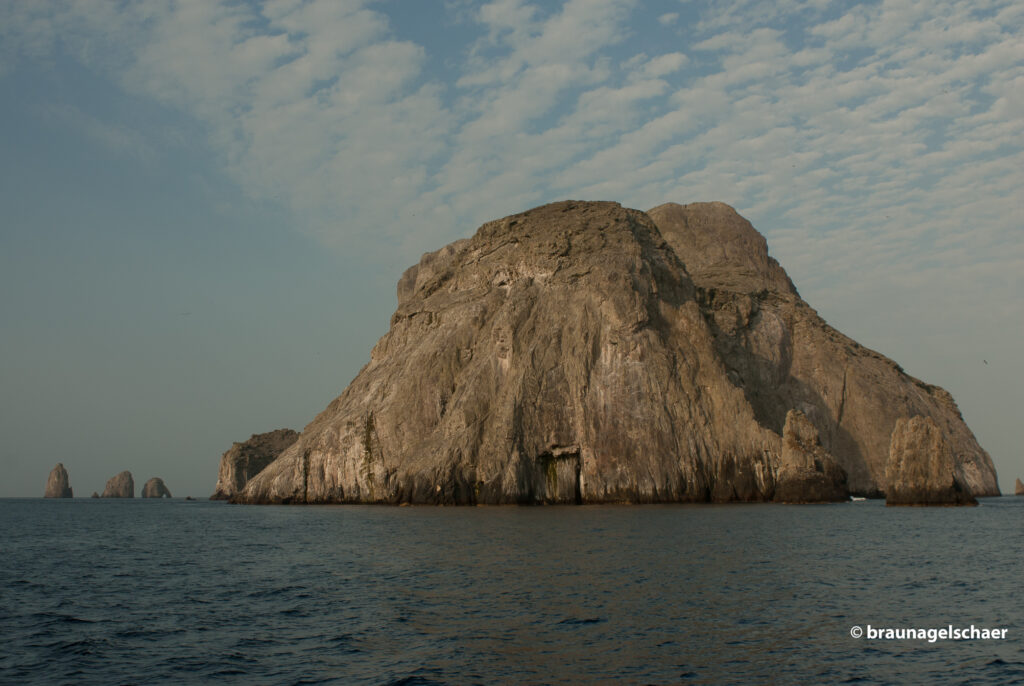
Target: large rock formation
(57,485)
(1019,488)
(567,354)
(922,467)
(120,486)
(807,473)
(242,461)
(155,488)
(782,355)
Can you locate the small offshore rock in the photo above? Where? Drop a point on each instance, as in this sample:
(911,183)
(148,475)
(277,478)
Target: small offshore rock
(242,461)
(922,469)
(155,488)
(807,473)
(57,485)
(95,494)
(120,486)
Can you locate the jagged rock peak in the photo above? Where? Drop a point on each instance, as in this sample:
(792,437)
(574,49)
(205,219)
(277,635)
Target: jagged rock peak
(57,484)
(922,468)
(242,461)
(720,248)
(120,486)
(156,488)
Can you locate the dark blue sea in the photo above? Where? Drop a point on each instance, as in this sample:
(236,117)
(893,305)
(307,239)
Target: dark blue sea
(177,592)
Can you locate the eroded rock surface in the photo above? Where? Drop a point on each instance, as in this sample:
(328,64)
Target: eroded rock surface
(57,484)
(782,355)
(120,486)
(155,488)
(242,461)
(807,473)
(922,467)
(585,352)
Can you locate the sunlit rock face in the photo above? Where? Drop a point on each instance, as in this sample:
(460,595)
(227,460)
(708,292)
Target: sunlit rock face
(57,484)
(922,467)
(242,461)
(569,355)
(120,486)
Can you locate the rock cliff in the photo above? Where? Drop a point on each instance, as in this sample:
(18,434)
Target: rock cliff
(1019,488)
(242,461)
(782,355)
(584,352)
(922,467)
(57,485)
(807,473)
(155,488)
(120,486)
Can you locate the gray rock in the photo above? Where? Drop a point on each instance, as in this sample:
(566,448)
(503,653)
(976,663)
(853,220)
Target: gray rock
(922,467)
(243,461)
(807,473)
(567,355)
(155,488)
(1019,489)
(95,495)
(120,486)
(57,485)
(782,355)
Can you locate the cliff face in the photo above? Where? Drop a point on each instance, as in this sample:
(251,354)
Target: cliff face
(243,461)
(567,354)
(782,355)
(57,485)
(120,486)
(156,488)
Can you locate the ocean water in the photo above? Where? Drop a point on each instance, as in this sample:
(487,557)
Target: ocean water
(150,592)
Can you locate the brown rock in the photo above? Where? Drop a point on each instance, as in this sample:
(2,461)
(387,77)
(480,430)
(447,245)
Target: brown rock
(1019,489)
(245,460)
(922,468)
(95,495)
(566,355)
(807,473)
(782,355)
(120,486)
(155,488)
(57,485)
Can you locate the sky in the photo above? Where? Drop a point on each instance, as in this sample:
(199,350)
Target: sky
(205,205)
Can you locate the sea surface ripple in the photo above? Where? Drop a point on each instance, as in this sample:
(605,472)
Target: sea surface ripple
(144,591)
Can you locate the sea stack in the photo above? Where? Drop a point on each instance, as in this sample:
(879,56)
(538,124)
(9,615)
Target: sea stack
(57,485)
(582,352)
(155,488)
(120,486)
(242,461)
(807,473)
(1019,490)
(922,468)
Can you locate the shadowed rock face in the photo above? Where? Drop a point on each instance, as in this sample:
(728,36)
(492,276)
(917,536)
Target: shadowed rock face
(807,473)
(120,486)
(243,461)
(57,485)
(567,355)
(782,355)
(1019,488)
(922,468)
(155,488)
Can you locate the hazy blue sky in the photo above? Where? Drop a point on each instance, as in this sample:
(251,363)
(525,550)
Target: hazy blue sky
(205,206)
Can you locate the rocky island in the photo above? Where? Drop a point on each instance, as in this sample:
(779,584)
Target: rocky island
(155,488)
(582,352)
(120,486)
(57,485)
(1018,488)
